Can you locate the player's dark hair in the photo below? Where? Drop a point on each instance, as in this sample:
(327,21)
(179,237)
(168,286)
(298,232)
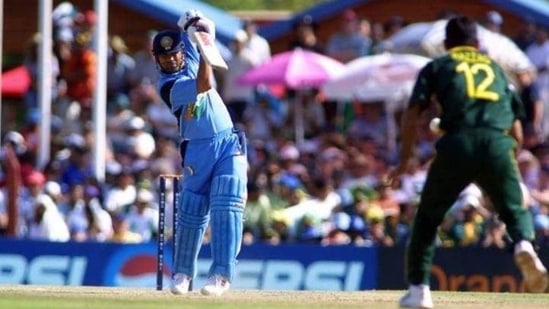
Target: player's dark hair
(461,30)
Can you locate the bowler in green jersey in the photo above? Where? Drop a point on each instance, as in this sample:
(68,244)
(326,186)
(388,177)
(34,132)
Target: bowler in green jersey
(481,134)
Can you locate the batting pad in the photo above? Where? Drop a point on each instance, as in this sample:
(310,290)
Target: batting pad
(227,205)
(192,222)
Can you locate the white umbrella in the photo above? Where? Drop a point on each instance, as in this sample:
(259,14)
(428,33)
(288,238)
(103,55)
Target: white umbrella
(428,39)
(408,39)
(385,77)
(388,78)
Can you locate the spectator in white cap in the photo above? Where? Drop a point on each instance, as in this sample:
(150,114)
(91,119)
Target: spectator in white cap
(53,190)
(142,218)
(100,221)
(20,147)
(289,152)
(48,223)
(529,167)
(493,21)
(140,142)
(63,14)
(16,141)
(289,156)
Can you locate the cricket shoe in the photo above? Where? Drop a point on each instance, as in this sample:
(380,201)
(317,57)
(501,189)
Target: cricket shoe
(418,296)
(216,286)
(531,267)
(180,284)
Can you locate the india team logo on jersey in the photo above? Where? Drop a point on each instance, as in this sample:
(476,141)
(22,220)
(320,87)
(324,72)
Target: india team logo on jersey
(194,111)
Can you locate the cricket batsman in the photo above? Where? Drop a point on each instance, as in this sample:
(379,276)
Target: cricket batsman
(213,158)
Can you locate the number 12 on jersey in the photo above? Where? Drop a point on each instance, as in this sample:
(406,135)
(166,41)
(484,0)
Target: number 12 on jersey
(478,90)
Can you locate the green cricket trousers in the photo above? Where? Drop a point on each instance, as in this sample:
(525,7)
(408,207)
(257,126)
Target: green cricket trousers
(483,156)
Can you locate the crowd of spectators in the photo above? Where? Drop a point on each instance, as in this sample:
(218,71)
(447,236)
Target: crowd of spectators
(328,190)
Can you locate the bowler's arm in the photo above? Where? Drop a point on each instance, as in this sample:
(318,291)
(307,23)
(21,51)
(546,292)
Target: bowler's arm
(408,132)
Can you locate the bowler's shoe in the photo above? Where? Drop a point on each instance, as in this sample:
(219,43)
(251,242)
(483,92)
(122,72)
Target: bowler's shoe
(531,267)
(418,296)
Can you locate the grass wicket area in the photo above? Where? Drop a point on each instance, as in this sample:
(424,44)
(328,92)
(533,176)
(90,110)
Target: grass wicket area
(42,297)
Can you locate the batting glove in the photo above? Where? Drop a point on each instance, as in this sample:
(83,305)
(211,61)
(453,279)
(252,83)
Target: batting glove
(193,21)
(189,18)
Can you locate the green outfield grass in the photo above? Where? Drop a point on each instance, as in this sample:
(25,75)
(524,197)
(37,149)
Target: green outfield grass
(39,297)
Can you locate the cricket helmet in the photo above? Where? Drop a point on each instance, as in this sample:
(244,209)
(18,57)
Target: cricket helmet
(167,42)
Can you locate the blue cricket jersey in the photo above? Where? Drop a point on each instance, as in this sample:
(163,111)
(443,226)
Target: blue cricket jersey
(200,115)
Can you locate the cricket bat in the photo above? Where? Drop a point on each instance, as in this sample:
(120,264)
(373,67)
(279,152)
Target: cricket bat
(208,50)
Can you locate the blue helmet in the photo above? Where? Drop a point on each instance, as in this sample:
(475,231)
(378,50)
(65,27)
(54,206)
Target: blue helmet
(166,42)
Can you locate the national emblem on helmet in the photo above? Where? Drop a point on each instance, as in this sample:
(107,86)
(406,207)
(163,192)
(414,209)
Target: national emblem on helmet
(167,41)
